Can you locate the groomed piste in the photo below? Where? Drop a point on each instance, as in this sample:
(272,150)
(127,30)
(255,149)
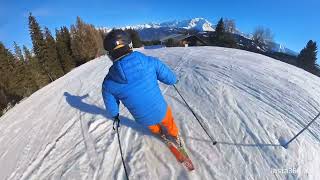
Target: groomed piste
(248,102)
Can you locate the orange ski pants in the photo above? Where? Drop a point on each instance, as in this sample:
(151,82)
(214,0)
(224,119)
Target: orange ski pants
(168,123)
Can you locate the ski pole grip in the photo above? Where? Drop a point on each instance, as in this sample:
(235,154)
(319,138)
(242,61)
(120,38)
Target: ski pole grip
(116,119)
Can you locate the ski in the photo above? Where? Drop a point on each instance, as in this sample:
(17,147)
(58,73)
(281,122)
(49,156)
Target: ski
(179,153)
(187,161)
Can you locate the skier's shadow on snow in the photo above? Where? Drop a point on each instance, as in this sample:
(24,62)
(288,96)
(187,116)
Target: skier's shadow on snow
(77,103)
(236,144)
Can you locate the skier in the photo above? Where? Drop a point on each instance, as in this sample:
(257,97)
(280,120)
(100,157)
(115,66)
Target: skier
(133,80)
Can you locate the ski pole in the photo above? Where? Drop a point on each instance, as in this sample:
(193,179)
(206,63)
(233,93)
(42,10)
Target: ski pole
(287,144)
(117,120)
(214,142)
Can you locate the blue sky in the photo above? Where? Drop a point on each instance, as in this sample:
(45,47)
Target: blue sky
(293,22)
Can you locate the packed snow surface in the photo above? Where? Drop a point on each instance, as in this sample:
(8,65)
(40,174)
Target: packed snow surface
(248,102)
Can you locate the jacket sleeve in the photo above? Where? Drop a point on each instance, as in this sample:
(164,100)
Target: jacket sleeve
(164,73)
(111,102)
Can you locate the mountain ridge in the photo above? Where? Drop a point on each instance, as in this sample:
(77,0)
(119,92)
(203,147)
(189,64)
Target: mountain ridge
(200,24)
(155,31)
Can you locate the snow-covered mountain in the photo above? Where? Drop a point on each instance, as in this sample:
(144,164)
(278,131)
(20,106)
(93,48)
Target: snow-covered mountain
(199,24)
(156,31)
(248,102)
(281,48)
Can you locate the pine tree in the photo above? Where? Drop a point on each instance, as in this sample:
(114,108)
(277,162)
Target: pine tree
(93,42)
(31,71)
(36,36)
(16,81)
(223,38)
(308,57)
(77,44)
(18,52)
(36,71)
(171,43)
(84,43)
(22,83)
(220,30)
(6,66)
(4,99)
(19,82)
(7,78)
(136,42)
(39,49)
(63,40)
(99,36)
(27,54)
(52,60)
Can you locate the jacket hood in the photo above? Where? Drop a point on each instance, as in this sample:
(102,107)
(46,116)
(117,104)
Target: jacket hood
(126,69)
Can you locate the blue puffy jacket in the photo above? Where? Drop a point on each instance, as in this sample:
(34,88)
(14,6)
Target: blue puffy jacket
(133,80)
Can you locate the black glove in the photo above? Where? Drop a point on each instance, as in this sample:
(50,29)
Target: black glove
(116,119)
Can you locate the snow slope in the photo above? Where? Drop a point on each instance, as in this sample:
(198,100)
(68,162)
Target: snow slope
(248,102)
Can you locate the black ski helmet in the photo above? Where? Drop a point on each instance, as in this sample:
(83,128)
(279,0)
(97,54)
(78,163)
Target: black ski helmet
(117,43)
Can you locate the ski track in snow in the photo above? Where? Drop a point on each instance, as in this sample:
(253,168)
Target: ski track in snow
(248,102)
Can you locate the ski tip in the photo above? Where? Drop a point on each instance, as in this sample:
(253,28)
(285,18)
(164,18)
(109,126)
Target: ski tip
(214,142)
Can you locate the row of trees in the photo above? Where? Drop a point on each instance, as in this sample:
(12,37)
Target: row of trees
(226,29)
(136,41)
(264,39)
(223,35)
(24,71)
(54,57)
(12,71)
